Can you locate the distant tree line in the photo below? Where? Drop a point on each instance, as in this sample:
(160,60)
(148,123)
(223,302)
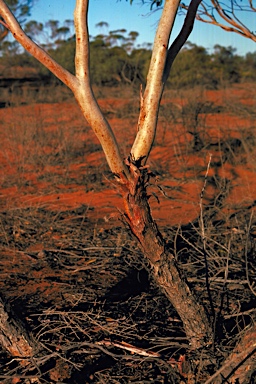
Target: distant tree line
(116,58)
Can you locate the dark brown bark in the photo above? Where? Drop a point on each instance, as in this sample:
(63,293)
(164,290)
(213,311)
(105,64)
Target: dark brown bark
(14,338)
(164,268)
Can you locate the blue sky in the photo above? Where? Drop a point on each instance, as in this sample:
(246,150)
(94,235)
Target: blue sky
(120,14)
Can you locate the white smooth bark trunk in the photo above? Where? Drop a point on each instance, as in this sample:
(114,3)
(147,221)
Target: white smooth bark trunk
(150,102)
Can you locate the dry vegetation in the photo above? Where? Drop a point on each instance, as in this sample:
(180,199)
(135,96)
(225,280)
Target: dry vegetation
(73,274)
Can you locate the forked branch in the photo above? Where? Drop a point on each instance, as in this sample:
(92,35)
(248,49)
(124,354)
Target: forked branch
(227,12)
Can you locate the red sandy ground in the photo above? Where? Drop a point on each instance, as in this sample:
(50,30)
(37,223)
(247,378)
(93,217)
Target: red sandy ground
(50,159)
(33,137)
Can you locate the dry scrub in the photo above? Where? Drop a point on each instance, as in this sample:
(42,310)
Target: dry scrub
(83,290)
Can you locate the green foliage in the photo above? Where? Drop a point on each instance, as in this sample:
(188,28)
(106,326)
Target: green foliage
(249,67)
(226,64)
(106,63)
(195,66)
(64,54)
(20,8)
(115,58)
(192,67)
(112,65)
(33,28)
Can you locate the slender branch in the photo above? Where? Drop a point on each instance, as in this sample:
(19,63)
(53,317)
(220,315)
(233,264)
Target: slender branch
(244,33)
(182,37)
(85,96)
(129,347)
(11,22)
(204,239)
(237,26)
(151,99)
(234,24)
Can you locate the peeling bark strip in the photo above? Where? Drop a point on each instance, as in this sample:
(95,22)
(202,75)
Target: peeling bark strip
(138,214)
(14,338)
(163,265)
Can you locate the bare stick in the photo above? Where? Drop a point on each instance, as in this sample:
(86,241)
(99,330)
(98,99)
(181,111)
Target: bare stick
(129,347)
(207,282)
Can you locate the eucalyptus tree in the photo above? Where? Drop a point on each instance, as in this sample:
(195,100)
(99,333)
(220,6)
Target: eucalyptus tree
(132,173)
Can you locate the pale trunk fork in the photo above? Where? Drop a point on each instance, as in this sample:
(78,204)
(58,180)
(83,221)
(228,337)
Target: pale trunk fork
(133,176)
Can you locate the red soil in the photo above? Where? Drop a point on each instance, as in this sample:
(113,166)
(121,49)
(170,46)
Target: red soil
(48,150)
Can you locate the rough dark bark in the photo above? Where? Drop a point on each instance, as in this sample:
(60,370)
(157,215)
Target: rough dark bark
(14,338)
(164,268)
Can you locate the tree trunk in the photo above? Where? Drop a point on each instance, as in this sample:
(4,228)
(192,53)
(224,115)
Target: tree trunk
(14,338)
(164,268)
